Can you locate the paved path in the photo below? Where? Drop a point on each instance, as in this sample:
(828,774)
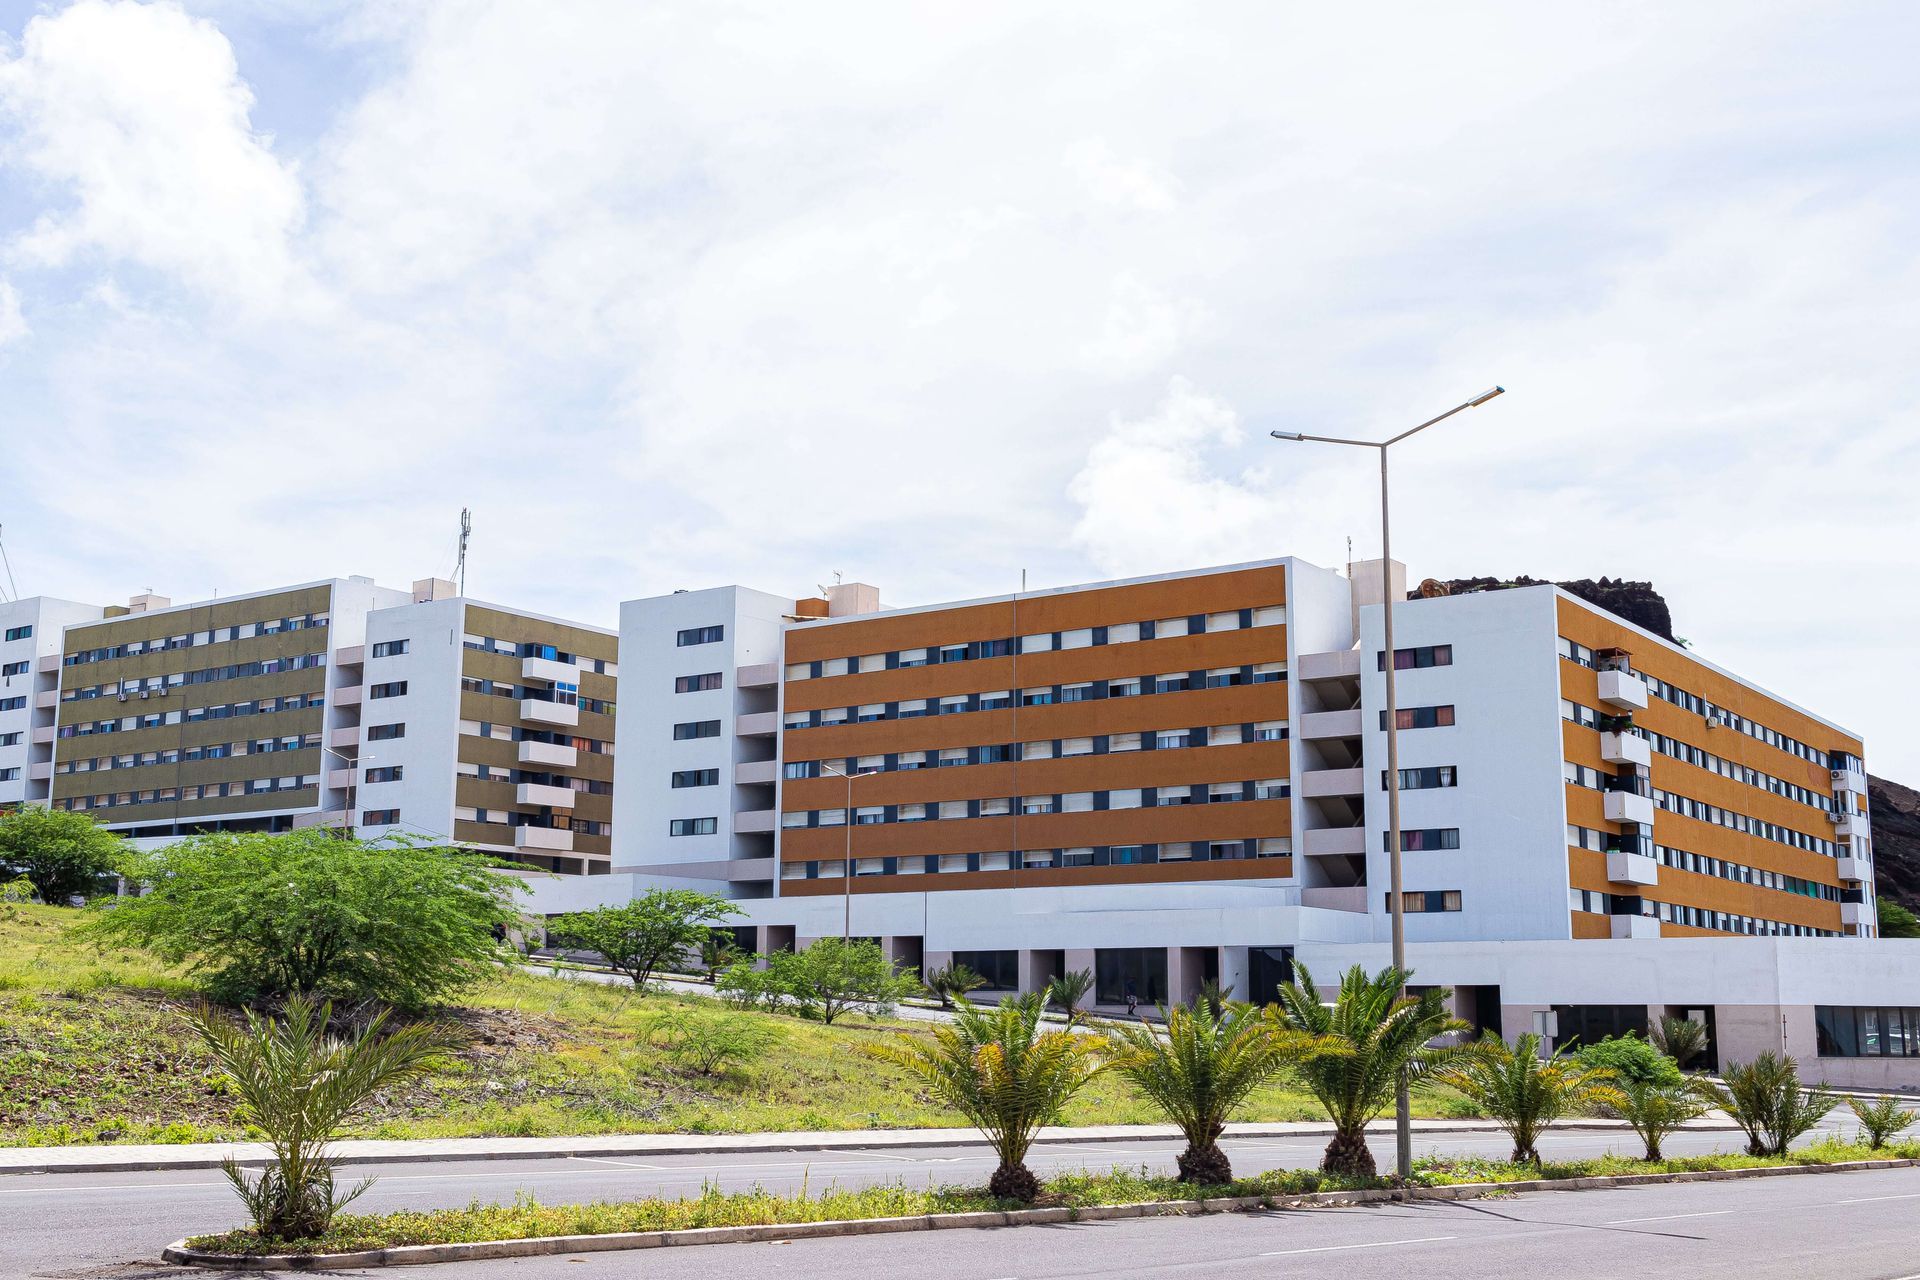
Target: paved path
(89,1224)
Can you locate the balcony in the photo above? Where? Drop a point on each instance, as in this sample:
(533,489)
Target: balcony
(544,796)
(1342,664)
(1635,926)
(44,734)
(48,664)
(1317,783)
(547,671)
(345,738)
(1344,898)
(1625,806)
(542,712)
(1626,748)
(40,771)
(757,772)
(48,699)
(1632,868)
(754,821)
(340,779)
(760,675)
(543,839)
(351,655)
(1315,725)
(1856,914)
(757,724)
(1318,842)
(548,754)
(1849,781)
(1854,870)
(1848,825)
(349,695)
(1624,690)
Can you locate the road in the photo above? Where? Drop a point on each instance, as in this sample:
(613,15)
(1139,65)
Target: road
(90,1225)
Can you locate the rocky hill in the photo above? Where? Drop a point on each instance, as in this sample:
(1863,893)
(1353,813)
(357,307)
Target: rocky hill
(1896,809)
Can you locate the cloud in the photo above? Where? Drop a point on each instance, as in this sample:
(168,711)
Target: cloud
(13,325)
(136,116)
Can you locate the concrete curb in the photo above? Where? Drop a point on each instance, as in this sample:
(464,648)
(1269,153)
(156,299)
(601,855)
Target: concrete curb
(545,1246)
(641,1145)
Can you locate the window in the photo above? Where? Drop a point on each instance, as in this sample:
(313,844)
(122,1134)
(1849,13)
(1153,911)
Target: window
(1036,804)
(379,817)
(1857,1032)
(1171,627)
(996,808)
(1035,697)
(1420,717)
(867,815)
(16,668)
(698,777)
(801,769)
(1225,792)
(1273,847)
(1420,839)
(1172,682)
(689,729)
(19,633)
(1225,735)
(1444,775)
(699,635)
(391,689)
(1123,742)
(1428,655)
(1123,688)
(1272,789)
(1042,643)
(1269,672)
(693,826)
(386,773)
(1422,902)
(1137,971)
(10,775)
(10,739)
(1169,740)
(1079,638)
(1076,692)
(389,648)
(1123,633)
(1126,798)
(1221,677)
(1076,746)
(386,732)
(1001,969)
(1224,621)
(1270,731)
(696,684)
(1271,615)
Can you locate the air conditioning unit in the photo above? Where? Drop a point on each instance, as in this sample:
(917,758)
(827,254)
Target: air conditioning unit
(145,694)
(121,697)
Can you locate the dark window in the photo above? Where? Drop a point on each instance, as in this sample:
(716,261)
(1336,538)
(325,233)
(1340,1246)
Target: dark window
(1141,970)
(1592,1023)
(16,668)
(1268,969)
(384,732)
(696,729)
(19,633)
(392,689)
(379,817)
(389,648)
(700,635)
(387,773)
(1427,655)
(1442,775)
(1001,969)
(697,684)
(696,778)
(1422,838)
(1427,901)
(1866,1032)
(1420,717)
(693,826)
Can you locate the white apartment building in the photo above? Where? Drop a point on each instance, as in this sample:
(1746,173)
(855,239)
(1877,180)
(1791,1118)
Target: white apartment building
(30,633)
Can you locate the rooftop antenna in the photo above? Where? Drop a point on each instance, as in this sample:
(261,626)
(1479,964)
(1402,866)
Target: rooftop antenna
(1349,555)
(12,590)
(460,566)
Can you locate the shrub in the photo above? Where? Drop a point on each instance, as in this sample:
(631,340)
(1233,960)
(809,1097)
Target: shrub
(1524,1093)
(954,980)
(743,985)
(717,951)
(1681,1039)
(654,930)
(317,912)
(1765,1098)
(835,975)
(714,1046)
(1655,1110)
(61,853)
(1881,1118)
(1629,1057)
(1069,991)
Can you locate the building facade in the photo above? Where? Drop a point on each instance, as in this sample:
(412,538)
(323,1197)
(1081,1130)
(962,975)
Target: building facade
(30,648)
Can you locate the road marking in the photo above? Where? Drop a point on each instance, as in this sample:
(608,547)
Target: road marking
(1374,1244)
(624,1164)
(1671,1217)
(1871,1199)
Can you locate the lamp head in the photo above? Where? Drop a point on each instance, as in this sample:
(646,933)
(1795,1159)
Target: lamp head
(1286,435)
(1485,396)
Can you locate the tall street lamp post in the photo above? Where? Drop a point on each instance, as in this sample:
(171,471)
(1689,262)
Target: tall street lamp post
(846,866)
(1403,1112)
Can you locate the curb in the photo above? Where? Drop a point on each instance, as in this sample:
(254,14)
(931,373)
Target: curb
(545,1246)
(743,1144)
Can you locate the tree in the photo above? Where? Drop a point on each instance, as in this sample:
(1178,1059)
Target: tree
(835,975)
(1523,1092)
(1206,1063)
(317,912)
(1630,1058)
(1383,1034)
(717,951)
(62,854)
(298,1085)
(635,938)
(1895,920)
(1002,1072)
(1766,1099)
(1881,1118)
(1067,991)
(1655,1109)
(953,980)
(1681,1039)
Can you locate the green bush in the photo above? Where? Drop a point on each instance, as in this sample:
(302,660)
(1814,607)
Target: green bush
(716,1045)
(661,927)
(1630,1059)
(1766,1099)
(62,854)
(1881,1118)
(834,975)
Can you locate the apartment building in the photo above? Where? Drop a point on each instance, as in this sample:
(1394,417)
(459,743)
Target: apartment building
(30,634)
(486,725)
(1180,778)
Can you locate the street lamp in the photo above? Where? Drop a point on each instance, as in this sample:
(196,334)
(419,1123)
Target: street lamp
(1403,1112)
(846,866)
(353,764)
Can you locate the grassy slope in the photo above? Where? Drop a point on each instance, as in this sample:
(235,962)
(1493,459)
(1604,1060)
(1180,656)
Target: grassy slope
(92,1050)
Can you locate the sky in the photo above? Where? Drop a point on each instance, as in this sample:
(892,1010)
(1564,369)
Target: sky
(929,296)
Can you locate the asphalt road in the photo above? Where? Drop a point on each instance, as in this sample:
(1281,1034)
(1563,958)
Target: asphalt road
(95,1226)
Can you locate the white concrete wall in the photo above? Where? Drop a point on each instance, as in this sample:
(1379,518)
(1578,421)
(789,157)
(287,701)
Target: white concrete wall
(430,709)
(49,619)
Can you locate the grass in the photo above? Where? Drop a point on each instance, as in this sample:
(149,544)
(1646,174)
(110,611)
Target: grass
(526,1217)
(92,1049)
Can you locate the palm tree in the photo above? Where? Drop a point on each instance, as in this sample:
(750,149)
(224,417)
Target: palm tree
(1681,1039)
(1655,1110)
(1003,1072)
(1766,1099)
(1524,1092)
(1881,1118)
(298,1085)
(1068,990)
(953,980)
(717,950)
(1203,1066)
(1383,1034)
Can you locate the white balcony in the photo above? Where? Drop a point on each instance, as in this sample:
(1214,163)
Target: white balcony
(1635,926)
(322,818)
(340,779)
(1854,870)
(548,754)
(1849,782)
(1847,825)
(1632,868)
(1857,913)
(40,771)
(543,839)
(562,713)
(1316,783)
(349,695)
(1316,725)
(1343,898)
(757,724)
(47,699)
(753,821)
(350,655)
(44,734)
(545,796)
(1338,665)
(754,772)
(1317,842)
(48,664)
(1625,806)
(346,737)
(759,675)
(1626,748)
(546,670)
(1624,690)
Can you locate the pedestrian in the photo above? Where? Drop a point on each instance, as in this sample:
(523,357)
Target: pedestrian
(1133,1001)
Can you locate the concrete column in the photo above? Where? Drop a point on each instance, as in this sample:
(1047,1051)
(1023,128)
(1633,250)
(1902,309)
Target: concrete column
(1038,968)
(1517,1019)
(1078,958)
(903,950)
(931,960)
(1235,976)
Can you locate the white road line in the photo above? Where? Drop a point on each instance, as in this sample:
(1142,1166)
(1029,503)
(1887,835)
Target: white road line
(1871,1199)
(125,1186)
(624,1164)
(1671,1217)
(1375,1244)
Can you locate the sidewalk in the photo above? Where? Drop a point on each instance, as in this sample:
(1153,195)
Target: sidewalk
(209,1155)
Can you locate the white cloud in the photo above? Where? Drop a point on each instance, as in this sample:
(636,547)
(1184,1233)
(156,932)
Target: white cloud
(13,325)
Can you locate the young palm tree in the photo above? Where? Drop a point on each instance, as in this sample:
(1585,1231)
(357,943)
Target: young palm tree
(1203,1066)
(1656,1110)
(1523,1092)
(1068,990)
(1681,1039)
(1382,1034)
(1003,1072)
(1766,1099)
(954,980)
(1881,1118)
(298,1085)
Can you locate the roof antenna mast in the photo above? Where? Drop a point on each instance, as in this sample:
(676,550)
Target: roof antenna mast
(460,569)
